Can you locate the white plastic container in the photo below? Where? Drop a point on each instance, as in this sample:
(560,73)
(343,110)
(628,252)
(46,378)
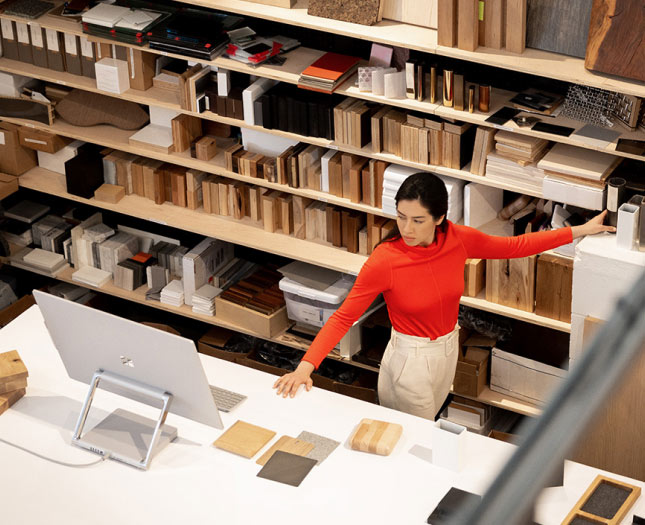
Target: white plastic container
(313,307)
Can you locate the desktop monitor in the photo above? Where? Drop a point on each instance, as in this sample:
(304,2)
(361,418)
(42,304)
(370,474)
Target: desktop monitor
(134,359)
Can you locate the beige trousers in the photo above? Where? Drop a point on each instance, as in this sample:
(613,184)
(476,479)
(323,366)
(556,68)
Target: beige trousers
(416,372)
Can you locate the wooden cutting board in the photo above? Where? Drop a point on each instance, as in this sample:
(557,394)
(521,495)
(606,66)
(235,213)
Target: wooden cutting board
(11,367)
(377,437)
(615,44)
(287,444)
(244,439)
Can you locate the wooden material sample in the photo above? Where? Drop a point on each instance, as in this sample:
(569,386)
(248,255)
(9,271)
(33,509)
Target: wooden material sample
(554,282)
(286,214)
(377,437)
(511,282)
(8,399)
(559,26)
(109,193)
(336,175)
(615,45)
(206,148)
(468,25)
(287,444)
(12,368)
(271,212)
(41,140)
(299,221)
(244,439)
(287,468)
(494,23)
(185,129)
(366,12)
(515,25)
(606,501)
(474,277)
(447,23)
(411,12)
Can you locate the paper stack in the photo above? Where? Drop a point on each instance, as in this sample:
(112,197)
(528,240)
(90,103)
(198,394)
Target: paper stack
(328,72)
(527,178)
(173,293)
(204,299)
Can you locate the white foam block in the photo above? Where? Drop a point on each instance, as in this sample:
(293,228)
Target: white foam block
(112,75)
(265,143)
(155,135)
(251,93)
(481,204)
(579,162)
(378,79)
(11,85)
(56,161)
(394,85)
(324,169)
(162,116)
(223,82)
(627,227)
(602,273)
(579,195)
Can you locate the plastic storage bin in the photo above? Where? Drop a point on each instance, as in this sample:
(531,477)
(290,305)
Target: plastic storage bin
(313,307)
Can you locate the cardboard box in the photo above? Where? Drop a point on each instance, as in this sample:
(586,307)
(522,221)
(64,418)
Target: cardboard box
(14,158)
(523,378)
(8,185)
(112,75)
(263,325)
(505,436)
(42,140)
(12,311)
(472,372)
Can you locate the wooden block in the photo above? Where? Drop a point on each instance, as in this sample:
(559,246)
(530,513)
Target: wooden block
(149,169)
(206,148)
(347,161)
(299,223)
(213,192)
(336,237)
(554,282)
(351,223)
(194,191)
(355,173)
(511,282)
(287,444)
(447,23)
(375,232)
(255,203)
(228,155)
(362,241)
(474,277)
(41,140)
(377,437)
(468,25)
(9,399)
(267,169)
(589,329)
(10,386)
(311,223)
(271,212)
(185,129)
(282,169)
(615,45)
(206,194)
(137,176)
(252,164)
(237,200)
(494,22)
(222,187)
(244,439)
(109,193)
(515,25)
(336,176)
(368,194)
(411,12)
(379,172)
(286,212)
(12,367)
(178,179)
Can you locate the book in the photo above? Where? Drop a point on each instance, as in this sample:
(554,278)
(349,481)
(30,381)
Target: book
(328,72)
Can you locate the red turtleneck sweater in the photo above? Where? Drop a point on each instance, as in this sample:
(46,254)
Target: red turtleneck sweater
(422,285)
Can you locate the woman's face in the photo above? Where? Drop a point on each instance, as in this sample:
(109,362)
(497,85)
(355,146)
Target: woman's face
(415,223)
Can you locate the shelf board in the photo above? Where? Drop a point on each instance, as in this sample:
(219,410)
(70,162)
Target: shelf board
(248,234)
(504,401)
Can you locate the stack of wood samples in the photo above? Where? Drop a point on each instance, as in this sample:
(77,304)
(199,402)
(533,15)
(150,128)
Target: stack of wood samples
(13,379)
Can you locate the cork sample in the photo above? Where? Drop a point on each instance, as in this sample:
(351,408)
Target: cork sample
(365,12)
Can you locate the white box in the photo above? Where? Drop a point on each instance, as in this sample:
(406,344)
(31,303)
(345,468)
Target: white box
(448,445)
(251,93)
(627,228)
(11,85)
(324,169)
(523,378)
(481,204)
(577,194)
(314,307)
(56,161)
(265,143)
(112,75)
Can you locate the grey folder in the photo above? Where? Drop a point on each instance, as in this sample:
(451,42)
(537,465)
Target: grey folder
(88,57)
(38,48)
(24,43)
(55,50)
(72,55)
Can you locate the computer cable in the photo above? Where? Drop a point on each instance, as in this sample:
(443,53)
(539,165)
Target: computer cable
(63,463)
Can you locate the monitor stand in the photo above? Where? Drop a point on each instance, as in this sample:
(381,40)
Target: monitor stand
(125,436)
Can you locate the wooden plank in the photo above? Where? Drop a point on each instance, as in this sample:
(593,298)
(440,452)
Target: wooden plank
(511,282)
(616,45)
(494,23)
(287,444)
(554,282)
(244,439)
(411,12)
(12,368)
(515,25)
(8,399)
(468,25)
(447,23)
(474,277)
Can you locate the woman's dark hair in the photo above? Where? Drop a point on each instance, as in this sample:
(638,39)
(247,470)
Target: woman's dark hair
(430,191)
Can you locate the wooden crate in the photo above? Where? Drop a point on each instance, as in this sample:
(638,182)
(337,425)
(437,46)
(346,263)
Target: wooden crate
(263,325)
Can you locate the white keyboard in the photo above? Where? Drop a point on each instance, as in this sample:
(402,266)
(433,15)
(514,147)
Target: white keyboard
(225,399)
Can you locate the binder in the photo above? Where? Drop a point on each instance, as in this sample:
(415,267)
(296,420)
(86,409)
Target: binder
(24,43)
(72,55)
(55,50)
(9,42)
(38,48)
(88,57)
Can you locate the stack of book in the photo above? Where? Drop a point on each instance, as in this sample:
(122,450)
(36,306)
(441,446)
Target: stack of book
(328,72)
(91,276)
(13,379)
(522,149)
(502,169)
(169,256)
(50,233)
(249,48)
(173,293)
(352,121)
(121,23)
(484,144)
(204,299)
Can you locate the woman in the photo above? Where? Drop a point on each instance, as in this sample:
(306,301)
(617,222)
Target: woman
(419,268)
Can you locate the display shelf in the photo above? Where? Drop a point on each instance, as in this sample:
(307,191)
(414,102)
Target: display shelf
(247,234)
(489,397)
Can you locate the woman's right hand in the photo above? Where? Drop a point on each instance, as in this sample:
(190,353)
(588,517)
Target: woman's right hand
(288,384)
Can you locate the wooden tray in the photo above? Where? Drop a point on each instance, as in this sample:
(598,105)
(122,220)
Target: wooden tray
(377,437)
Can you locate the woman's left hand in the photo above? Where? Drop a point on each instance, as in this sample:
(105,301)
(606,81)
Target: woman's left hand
(592,227)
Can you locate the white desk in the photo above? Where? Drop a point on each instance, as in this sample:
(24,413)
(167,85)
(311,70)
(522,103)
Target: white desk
(191,482)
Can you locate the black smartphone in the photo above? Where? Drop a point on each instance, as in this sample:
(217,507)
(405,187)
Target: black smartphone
(503,115)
